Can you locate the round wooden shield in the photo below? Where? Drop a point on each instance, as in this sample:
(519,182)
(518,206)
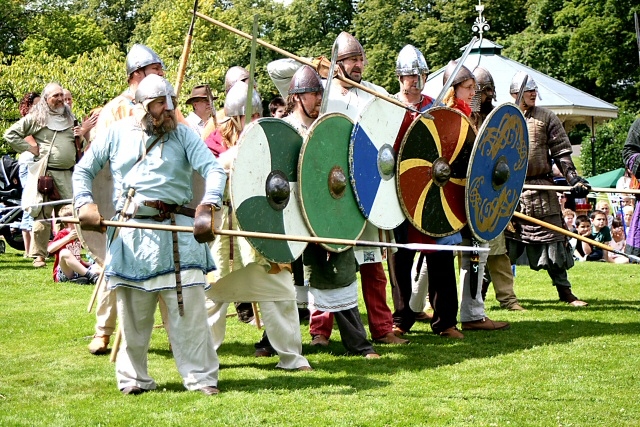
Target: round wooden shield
(328,203)
(94,242)
(372,163)
(432,167)
(497,170)
(264,187)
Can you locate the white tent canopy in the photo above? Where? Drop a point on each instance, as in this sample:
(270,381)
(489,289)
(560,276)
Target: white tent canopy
(571,105)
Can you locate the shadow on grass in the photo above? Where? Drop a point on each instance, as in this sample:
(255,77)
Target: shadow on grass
(594,305)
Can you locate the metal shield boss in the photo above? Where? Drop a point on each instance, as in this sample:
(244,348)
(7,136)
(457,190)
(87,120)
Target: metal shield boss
(264,187)
(372,163)
(328,201)
(432,166)
(497,171)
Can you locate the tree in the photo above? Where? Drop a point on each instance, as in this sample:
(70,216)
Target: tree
(589,45)
(94,78)
(13,24)
(609,140)
(60,34)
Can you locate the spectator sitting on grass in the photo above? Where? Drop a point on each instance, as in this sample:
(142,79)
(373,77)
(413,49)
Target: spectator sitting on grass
(569,219)
(583,228)
(601,233)
(618,243)
(68,265)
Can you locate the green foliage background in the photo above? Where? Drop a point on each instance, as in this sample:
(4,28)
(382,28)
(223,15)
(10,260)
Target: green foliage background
(82,44)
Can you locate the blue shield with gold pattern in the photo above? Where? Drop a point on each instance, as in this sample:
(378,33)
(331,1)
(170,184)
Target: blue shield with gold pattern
(497,170)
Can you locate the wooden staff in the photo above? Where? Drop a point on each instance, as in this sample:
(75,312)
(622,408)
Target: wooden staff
(287,237)
(186,51)
(568,188)
(574,235)
(309,63)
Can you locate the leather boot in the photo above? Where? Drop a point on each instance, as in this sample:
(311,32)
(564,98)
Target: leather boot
(99,344)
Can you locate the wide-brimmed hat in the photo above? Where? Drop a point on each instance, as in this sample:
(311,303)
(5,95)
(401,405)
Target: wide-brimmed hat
(198,92)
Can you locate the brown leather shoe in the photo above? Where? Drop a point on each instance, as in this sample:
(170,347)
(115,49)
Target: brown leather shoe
(391,338)
(264,352)
(305,368)
(320,340)
(484,324)
(372,356)
(452,332)
(398,332)
(39,262)
(133,390)
(516,307)
(99,345)
(424,317)
(578,303)
(209,390)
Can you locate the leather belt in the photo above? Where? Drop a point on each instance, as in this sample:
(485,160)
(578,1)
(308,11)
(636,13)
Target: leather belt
(166,209)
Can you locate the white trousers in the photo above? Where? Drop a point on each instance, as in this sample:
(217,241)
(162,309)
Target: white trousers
(190,338)
(281,323)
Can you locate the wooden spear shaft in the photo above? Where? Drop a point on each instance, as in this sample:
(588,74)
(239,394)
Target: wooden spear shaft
(287,237)
(574,235)
(186,51)
(307,62)
(568,188)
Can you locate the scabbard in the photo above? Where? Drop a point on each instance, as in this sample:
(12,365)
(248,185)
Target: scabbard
(176,265)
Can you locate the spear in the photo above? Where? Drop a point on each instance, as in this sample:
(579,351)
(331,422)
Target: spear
(186,50)
(309,63)
(287,237)
(574,235)
(568,188)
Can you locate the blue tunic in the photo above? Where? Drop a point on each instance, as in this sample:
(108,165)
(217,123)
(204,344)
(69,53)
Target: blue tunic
(139,258)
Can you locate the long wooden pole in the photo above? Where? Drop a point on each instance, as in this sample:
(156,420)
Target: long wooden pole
(568,188)
(309,63)
(287,237)
(574,235)
(186,51)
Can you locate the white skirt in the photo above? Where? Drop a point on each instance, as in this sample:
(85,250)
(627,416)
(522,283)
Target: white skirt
(333,300)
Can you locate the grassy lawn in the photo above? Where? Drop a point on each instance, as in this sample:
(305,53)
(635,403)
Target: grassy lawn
(556,366)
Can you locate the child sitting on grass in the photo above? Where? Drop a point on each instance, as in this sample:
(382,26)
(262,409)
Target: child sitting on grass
(601,233)
(68,265)
(583,228)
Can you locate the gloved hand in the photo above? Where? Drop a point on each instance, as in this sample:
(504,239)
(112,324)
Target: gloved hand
(581,186)
(204,223)
(322,66)
(90,218)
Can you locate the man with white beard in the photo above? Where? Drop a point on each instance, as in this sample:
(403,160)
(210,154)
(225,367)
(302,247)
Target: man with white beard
(50,122)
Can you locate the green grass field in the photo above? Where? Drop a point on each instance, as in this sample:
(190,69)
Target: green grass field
(556,366)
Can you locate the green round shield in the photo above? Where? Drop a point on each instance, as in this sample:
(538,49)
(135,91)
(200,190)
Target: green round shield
(328,202)
(264,187)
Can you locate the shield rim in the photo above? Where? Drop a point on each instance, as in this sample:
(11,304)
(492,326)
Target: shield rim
(480,134)
(246,130)
(310,132)
(351,167)
(399,156)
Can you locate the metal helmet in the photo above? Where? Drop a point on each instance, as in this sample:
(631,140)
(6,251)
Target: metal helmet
(306,79)
(484,81)
(234,103)
(235,74)
(517,80)
(348,46)
(412,62)
(463,74)
(140,56)
(152,87)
